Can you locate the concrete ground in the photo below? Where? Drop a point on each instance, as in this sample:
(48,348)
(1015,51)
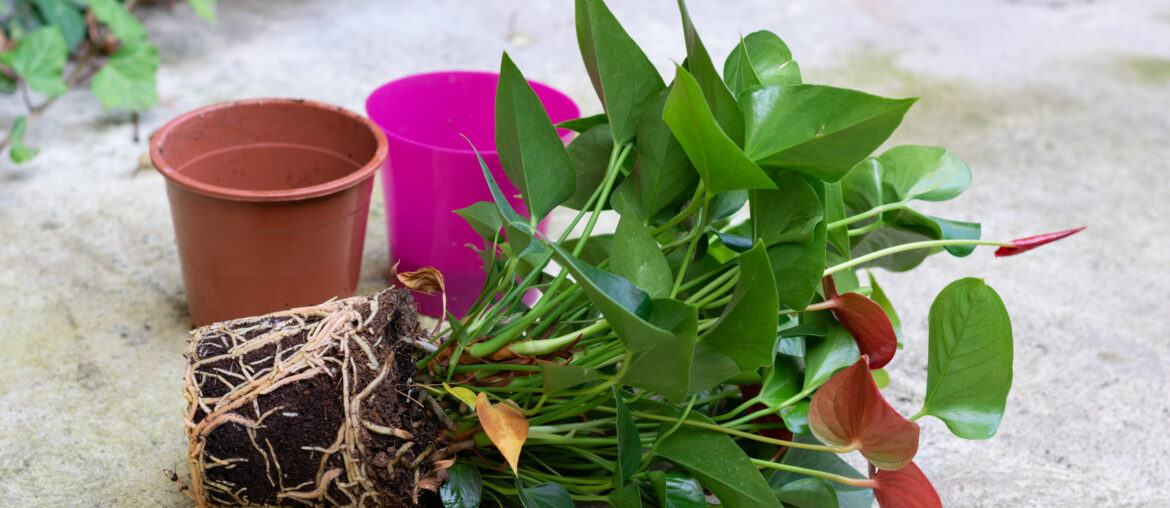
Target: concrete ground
(1060,106)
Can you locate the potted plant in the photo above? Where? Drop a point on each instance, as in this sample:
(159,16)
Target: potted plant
(695,352)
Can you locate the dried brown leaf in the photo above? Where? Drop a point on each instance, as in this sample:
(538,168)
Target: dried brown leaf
(426,280)
(505,425)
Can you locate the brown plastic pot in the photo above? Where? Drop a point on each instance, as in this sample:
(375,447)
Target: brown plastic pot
(269,199)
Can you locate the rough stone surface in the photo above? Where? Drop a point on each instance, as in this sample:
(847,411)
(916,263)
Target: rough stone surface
(1060,107)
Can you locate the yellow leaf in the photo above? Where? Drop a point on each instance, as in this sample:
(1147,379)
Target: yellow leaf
(505,426)
(461,393)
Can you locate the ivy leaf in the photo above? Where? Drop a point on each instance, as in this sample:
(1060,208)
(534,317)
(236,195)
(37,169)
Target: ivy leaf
(125,26)
(746,330)
(761,58)
(638,258)
(127,81)
(866,321)
(723,105)
(590,154)
(718,463)
(906,487)
(625,79)
(204,9)
(818,130)
(66,16)
(463,488)
(39,59)
(504,425)
(531,152)
(719,161)
(808,493)
(20,152)
(545,495)
(969,371)
(848,410)
(629,443)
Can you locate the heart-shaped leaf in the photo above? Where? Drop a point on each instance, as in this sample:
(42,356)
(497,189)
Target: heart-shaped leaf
(463,488)
(676,490)
(848,410)
(796,417)
(545,495)
(504,425)
(698,63)
(719,161)
(1031,242)
(746,330)
(39,58)
(638,258)
(127,80)
(120,21)
(969,372)
(664,366)
(905,173)
(867,323)
(531,152)
(819,130)
(761,58)
(718,463)
(625,79)
(905,488)
(798,266)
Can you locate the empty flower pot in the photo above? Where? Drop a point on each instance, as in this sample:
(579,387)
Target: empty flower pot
(269,199)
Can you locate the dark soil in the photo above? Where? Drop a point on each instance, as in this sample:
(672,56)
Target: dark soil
(299,421)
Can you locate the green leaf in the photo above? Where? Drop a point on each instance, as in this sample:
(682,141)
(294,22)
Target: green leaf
(629,496)
(719,98)
(506,211)
(796,417)
(790,213)
(557,378)
(7,84)
(584,123)
(808,493)
(67,16)
(907,172)
(904,226)
(663,175)
(710,368)
(20,152)
(205,9)
(629,443)
(969,372)
(825,356)
(958,230)
(545,495)
(638,258)
(464,487)
(39,59)
(590,153)
(881,378)
(761,58)
(819,130)
(598,248)
(880,297)
(726,204)
(127,81)
(835,211)
(746,330)
(847,497)
(718,463)
(721,164)
(796,266)
(665,365)
(682,491)
(625,79)
(484,218)
(531,152)
(125,26)
(781,382)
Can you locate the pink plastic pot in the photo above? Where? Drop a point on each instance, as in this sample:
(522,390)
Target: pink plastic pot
(432,171)
(269,199)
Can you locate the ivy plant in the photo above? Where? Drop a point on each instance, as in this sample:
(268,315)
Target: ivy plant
(48,46)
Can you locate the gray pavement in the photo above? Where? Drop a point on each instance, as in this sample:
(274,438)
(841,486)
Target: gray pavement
(1061,107)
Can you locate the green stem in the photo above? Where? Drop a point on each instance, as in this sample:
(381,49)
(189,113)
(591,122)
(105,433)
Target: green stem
(865,229)
(733,432)
(696,234)
(888,207)
(691,208)
(773,409)
(539,347)
(928,244)
(853,482)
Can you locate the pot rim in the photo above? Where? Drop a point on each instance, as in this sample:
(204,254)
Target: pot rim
(158,140)
(486,152)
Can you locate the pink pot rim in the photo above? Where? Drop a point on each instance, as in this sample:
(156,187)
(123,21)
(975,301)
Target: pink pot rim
(489,151)
(352,179)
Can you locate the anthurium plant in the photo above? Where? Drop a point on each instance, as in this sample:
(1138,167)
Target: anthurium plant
(727,341)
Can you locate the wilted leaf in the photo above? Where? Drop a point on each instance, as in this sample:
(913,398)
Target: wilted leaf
(424,280)
(505,426)
(905,488)
(848,410)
